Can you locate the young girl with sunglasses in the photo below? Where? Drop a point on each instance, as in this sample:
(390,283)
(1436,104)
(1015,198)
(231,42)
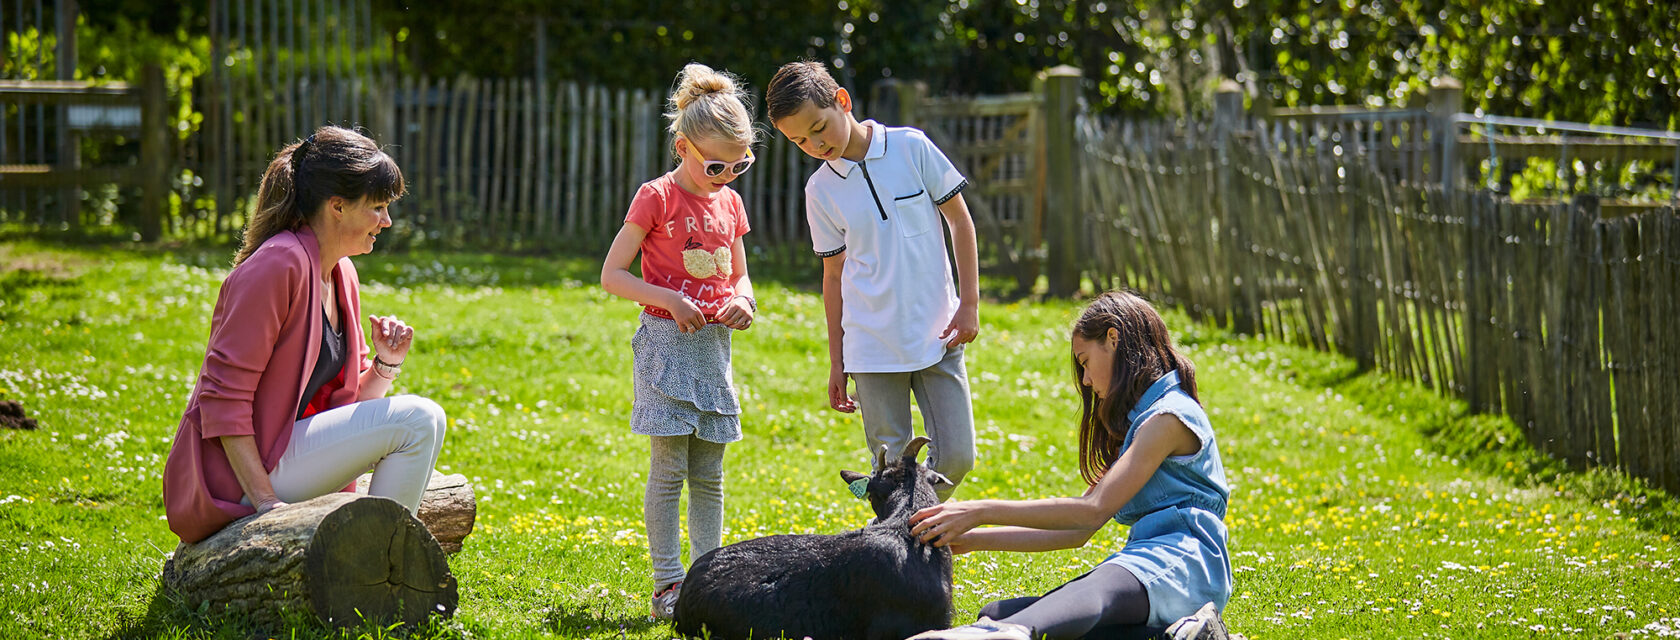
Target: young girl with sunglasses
(687,226)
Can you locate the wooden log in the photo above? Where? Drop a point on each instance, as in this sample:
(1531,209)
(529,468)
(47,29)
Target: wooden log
(448,508)
(341,557)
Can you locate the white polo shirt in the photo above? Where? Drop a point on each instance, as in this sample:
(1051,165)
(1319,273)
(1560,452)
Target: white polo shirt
(895,288)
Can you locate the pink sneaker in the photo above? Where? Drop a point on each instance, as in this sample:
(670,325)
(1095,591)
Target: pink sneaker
(665,601)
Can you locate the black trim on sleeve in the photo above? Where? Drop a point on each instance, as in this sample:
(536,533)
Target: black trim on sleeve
(830,254)
(952,194)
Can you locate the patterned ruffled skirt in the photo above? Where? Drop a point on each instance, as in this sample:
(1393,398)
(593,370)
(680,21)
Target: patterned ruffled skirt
(683,382)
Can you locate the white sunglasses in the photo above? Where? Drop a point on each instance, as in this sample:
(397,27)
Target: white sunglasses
(715,168)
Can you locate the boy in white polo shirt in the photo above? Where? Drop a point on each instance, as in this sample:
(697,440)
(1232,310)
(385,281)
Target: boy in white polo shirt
(895,323)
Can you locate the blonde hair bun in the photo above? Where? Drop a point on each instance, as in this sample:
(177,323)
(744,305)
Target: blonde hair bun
(698,81)
(709,104)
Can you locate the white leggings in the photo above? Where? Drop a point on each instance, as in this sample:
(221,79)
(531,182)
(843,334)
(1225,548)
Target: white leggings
(398,437)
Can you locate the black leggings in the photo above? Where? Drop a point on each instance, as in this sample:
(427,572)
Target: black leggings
(1107,603)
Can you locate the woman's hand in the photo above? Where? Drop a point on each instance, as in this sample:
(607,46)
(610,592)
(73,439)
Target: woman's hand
(736,314)
(268,505)
(688,316)
(391,339)
(944,524)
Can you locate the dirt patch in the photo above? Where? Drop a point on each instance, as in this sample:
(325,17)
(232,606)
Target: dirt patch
(47,265)
(11,416)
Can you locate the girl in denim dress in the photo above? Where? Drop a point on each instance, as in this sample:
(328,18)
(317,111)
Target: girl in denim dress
(1148,454)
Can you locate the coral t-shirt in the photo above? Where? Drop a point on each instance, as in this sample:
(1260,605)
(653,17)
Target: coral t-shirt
(689,240)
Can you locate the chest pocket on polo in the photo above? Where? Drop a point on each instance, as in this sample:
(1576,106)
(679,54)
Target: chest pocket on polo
(915,213)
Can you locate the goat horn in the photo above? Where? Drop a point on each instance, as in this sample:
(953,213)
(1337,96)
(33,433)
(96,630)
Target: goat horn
(915,447)
(881,458)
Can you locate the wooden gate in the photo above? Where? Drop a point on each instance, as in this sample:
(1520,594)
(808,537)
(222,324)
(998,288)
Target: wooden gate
(997,143)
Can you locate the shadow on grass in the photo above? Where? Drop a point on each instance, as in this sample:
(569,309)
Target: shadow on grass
(1488,443)
(167,616)
(163,614)
(1495,445)
(595,619)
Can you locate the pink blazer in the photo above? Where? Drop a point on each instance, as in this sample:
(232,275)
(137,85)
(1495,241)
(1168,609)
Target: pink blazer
(265,336)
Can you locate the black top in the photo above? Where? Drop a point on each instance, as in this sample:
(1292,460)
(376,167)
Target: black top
(327,366)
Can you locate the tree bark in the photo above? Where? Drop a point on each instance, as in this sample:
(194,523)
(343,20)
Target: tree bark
(448,508)
(340,557)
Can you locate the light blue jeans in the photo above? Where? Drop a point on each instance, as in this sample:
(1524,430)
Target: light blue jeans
(399,438)
(941,392)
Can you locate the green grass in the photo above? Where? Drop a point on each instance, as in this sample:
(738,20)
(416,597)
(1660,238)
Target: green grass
(1361,507)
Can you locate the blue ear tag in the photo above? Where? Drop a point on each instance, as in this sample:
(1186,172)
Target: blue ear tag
(859,487)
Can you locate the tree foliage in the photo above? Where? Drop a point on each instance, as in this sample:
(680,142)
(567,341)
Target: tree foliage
(1605,61)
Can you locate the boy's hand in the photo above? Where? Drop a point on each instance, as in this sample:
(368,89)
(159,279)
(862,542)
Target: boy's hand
(688,316)
(965,325)
(736,314)
(838,399)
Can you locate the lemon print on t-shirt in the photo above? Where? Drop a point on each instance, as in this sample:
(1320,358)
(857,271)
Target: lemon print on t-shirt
(704,264)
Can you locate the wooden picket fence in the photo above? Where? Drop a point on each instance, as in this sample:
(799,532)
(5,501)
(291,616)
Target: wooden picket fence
(511,163)
(1552,314)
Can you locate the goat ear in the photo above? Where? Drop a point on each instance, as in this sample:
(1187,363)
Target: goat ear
(852,476)
(939,478)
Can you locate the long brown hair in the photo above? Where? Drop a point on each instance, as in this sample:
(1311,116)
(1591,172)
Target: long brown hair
(333,161)
(1144,354)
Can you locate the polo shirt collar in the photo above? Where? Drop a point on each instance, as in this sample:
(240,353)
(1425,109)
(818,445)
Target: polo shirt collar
(877,148)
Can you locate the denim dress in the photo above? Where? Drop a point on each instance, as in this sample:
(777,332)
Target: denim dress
(1177,547)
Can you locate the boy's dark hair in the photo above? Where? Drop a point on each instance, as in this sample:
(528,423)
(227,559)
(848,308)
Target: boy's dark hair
(797,83)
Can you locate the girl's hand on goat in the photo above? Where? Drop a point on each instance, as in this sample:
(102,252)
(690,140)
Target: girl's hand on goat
(944,524)
(391,339)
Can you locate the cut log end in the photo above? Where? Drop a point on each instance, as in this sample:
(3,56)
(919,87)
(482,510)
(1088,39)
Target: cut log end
(448,508)
(373,560)
(341,557)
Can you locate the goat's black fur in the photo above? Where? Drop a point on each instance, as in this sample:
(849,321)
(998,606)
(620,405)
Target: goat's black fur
(878,582)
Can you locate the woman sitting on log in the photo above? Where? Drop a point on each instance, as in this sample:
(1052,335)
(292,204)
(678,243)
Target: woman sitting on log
(288,406)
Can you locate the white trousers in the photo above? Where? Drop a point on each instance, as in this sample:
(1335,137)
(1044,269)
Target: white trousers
(398,438)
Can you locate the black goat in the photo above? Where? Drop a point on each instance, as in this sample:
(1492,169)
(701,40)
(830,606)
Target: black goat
(878,582)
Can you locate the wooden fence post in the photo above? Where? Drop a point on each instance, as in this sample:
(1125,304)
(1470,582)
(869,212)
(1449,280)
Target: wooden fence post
(1228,120)
(69,144)
(1446,98)
(1062,206)
(154,152)
(896,101)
